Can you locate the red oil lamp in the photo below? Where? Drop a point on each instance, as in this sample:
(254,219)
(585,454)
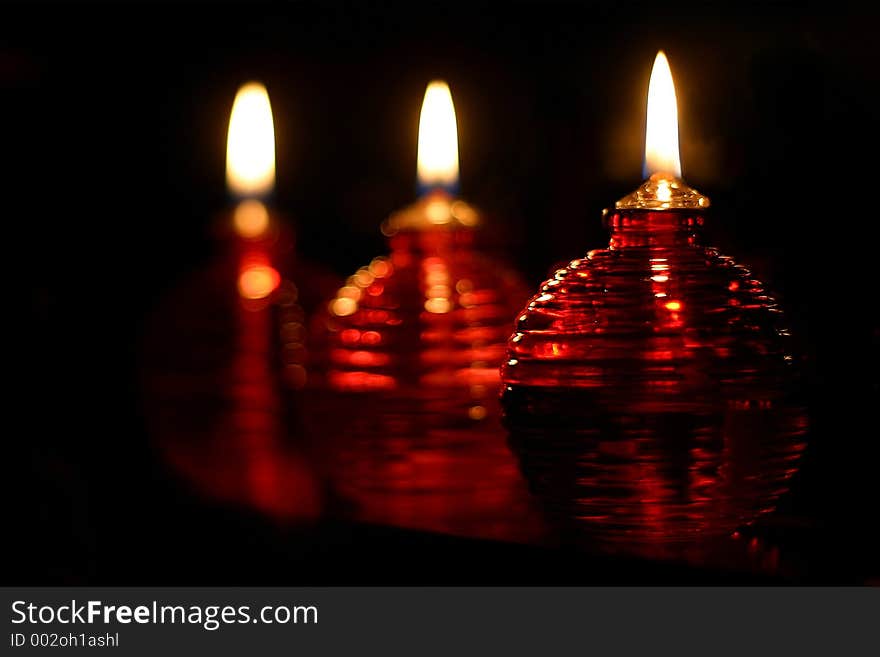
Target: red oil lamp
(213,377)
(649,390)
(412,347)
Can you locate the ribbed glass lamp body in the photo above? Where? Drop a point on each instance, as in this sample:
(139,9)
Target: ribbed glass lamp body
(649,390)
(412,346)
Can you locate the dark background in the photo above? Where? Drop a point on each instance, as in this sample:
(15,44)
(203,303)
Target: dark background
(114,122)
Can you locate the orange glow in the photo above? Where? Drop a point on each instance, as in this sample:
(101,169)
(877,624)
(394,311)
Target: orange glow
(363,277)
(343,306)
(661,133)
(438,212)
(258,281)
(380,267)
(438,305)
(464,213)
(349,292)
(250,143)
(674,306)
(251,219)
(438,139)
(477,412)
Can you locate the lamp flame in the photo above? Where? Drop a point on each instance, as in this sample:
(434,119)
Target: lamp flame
(438,139)
(250,144)
(661,133)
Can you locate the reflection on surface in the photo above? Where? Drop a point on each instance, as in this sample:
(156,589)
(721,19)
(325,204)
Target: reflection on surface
(232,411)
(227,371)
(410,467)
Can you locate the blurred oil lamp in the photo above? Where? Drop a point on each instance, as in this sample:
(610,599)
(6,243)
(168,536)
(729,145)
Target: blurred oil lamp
(649,390)
(214,378)
(250,179)
(268,264)
(414,341)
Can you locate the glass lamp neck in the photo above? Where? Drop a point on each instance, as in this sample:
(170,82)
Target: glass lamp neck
(633,228)
(431,241)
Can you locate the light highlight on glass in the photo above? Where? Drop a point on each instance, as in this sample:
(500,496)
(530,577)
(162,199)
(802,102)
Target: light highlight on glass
(258,281)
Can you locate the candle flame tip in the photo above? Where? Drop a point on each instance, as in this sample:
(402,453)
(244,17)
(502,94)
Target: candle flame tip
(438,138)
(250,144)
(661,131)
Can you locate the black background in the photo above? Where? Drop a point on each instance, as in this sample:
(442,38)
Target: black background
(114,122)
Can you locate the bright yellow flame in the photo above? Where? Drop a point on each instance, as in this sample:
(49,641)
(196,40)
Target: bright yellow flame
(250,144)
(661,134)
(438,138)
(251,218)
